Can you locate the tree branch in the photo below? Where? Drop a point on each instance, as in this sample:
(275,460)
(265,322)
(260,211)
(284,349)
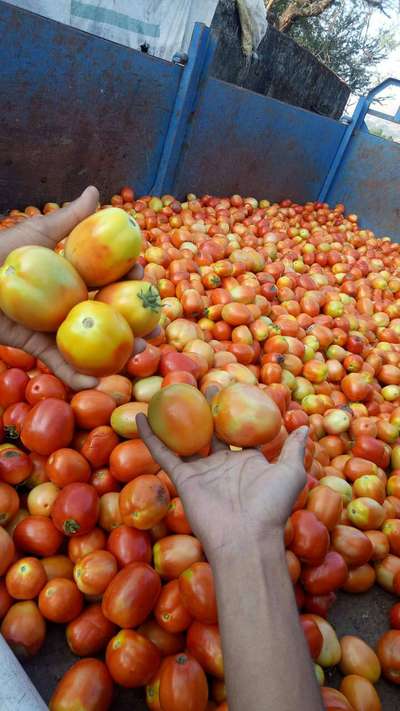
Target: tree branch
(301,8)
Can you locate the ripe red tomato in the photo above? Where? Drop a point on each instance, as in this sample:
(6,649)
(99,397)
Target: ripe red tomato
(60,600)
(65,466)
(12,386)
(131,595)
(86,685)
(98,445)
(334,700)
(170,611)
(131,459)
(26,578)
(13,419)
(44,386)
(166,642)
(204,644)
(9,503)
(310,538)
(24,629)
(76,509)
(16,358)
(58,566)
(175,517)
(395,616)
(183,684)
(196,586)
(92,408)
(38,535)
(129,545)
(181,417)
(15,465)
(330,575)
(326,504)
(94,572)
(90,632)
(388,651)
(174,554)
(79,546)
(104,482)
(313,635)
(48,426)
(354,545)
(143,502)
(7,550)
(132,659)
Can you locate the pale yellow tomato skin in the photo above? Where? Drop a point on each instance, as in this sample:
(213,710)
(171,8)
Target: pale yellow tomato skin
(104,246)
(138,301)
(95,339)
(38,287)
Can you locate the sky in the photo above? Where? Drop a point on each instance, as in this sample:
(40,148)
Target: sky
(389,67)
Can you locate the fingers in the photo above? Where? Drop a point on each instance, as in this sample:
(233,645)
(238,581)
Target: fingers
(216,444)
(60,223)
(292,454)
(139,345)
(165,458)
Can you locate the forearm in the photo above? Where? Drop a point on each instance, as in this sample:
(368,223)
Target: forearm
(266,658)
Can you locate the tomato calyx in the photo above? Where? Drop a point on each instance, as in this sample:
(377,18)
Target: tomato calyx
(150,299)
(181,659)
(70,526)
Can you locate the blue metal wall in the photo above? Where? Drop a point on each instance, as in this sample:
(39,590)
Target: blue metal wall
(77,109)
(368,183)
(239,141)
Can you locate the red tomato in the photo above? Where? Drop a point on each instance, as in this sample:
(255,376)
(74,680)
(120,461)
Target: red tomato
(129,545)
(181,417)
(372,449)
(86,685)
(58,566)
(7,550)
(48,426)
(144,364)
(310,538)
(360,579)
(94,572)
(76,509)
(9,503)
(98,445)
(12,386)
(15,465)
(328,576)
(170,611)
(131,459)
(395,616)
(6,601)
(26,578)
(354,545)
(13,419)
(175,517)
(92,408)
(38,535)
(104,482)
(196,586)
(204,644)
(65,466)
(171,362)
(245,416)
(79,546)
(326,504)
(313,635)
(119,387)
(388,651)
(44,386)
(16,358)
(24,629)
(60,600)
(90,632)
(166,642)
(131,595)
(183,684)
(144,502)
(132,659)
(334,700)
(174,554)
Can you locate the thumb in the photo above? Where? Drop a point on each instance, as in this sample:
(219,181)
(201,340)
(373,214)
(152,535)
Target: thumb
(292,454)
(58,224)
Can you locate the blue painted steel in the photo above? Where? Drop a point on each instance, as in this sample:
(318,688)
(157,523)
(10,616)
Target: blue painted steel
(201,51)
(244,142)
(368,183)
(77,109)
(357,124)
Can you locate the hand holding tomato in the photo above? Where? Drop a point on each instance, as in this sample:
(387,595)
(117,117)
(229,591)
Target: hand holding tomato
(233,491)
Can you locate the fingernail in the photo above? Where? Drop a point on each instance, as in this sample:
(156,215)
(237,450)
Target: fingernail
(301,432)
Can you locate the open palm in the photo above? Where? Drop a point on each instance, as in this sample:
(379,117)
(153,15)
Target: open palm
(233,490)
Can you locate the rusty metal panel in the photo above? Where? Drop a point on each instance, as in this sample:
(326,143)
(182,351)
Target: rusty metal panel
(243,142)
(368,183)
(76,109)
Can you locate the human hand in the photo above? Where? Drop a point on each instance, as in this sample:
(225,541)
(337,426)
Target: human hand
(46,231)
(233,495)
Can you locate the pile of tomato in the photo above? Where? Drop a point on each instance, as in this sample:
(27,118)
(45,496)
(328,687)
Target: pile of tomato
(294,302)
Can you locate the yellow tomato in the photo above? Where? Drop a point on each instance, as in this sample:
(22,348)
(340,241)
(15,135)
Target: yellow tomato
(95,339)
(104,246)
(39,287)
(138,301)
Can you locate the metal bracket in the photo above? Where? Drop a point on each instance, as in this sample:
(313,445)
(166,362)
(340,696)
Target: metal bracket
(357,123)
(200,54)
